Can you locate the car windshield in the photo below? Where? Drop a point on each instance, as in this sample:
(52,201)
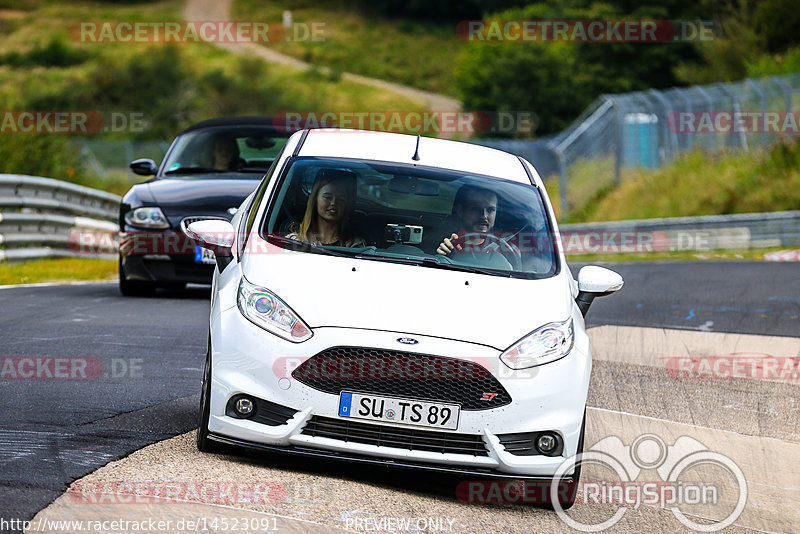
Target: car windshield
(233,150)
(403,214)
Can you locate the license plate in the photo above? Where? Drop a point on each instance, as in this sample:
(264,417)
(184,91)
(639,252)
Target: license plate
(203,255)
(402,411)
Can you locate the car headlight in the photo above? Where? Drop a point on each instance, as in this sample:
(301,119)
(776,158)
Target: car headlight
(263,308)
(147,217)
(544,345)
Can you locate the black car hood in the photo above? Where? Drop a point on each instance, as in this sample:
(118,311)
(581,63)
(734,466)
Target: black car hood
(181,197)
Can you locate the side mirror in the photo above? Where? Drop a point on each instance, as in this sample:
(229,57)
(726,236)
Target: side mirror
(595,282)
(216,235)
(144,167)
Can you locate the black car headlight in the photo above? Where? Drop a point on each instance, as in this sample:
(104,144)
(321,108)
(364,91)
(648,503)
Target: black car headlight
(147,217)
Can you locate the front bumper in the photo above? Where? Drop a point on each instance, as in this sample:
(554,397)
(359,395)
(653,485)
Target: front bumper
(249,360)
(164,256)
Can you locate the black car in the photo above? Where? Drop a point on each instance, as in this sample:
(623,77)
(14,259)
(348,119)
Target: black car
(207,173)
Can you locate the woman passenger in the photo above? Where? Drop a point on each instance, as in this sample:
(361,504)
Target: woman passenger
(326,219)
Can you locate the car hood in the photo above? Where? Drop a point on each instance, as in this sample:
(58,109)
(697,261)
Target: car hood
(179,197)
(351,293)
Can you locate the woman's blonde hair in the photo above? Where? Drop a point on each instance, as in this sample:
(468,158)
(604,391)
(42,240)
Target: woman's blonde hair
(309,222)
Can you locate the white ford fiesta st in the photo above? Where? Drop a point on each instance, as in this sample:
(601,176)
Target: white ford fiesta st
(392,299)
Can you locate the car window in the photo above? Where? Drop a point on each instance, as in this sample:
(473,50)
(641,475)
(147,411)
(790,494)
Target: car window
(248,218)
(232,150)
(402,213)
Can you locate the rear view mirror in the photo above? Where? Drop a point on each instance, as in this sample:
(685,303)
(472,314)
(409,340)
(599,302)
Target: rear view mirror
(594,281)
(260,143)
(144,167)
(411,185)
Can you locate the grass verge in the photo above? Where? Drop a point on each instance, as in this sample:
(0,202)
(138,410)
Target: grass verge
(58,270)
(414,53)
(684,255)
(698,183)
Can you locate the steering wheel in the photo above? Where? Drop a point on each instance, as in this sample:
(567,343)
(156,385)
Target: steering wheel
(489,240)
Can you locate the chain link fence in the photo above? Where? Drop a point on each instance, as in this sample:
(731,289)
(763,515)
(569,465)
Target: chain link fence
(649,129)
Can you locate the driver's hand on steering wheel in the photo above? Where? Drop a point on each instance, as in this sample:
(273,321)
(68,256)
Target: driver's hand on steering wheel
(449,245)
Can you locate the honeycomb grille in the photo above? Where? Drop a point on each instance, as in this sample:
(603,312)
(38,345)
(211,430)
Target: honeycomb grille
(403,374)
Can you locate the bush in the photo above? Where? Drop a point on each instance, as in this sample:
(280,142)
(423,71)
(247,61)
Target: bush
(55,54)
(46,155)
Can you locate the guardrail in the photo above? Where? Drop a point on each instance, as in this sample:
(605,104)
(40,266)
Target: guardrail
(45,218)
(700,234)
(40,217)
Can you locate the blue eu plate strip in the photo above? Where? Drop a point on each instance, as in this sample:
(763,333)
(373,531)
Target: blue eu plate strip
(344,403)
(198,253)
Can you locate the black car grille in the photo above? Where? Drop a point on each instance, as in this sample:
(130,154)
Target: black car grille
(403,374)
(396,438)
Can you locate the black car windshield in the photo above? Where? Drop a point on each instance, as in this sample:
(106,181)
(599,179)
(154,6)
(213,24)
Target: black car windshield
(413,215)
(232,150)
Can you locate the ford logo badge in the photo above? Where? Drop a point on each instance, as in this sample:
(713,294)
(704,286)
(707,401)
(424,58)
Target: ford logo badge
(407,340)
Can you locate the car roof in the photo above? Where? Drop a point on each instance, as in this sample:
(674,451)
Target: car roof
(280,129)
(400,148)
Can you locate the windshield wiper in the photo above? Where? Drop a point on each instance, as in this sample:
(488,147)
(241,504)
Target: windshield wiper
(193,170)
(304,246)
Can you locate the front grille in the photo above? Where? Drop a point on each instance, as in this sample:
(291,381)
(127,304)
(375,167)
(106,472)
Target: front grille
(396,438)
(186,221)
(403,374)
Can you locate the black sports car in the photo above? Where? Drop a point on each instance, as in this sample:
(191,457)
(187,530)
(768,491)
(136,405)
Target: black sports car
(207,172)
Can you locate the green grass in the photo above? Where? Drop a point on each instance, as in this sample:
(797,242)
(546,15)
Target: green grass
(58,270)
(202,81)
(717,255)
(698,183)
(421,55)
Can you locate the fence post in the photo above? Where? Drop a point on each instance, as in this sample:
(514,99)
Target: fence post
(786,89)
(762,100)
(668,132)
(618,140)
(736,109)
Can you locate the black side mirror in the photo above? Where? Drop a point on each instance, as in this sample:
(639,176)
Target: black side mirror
(144,167)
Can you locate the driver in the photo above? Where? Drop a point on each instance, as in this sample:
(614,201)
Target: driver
(475,208)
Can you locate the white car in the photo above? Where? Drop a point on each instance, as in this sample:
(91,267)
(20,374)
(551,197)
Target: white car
(403,300)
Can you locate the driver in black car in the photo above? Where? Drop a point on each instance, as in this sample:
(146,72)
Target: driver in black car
(475,208)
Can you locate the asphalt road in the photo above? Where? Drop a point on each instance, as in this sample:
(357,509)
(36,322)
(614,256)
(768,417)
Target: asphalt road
(151,349)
